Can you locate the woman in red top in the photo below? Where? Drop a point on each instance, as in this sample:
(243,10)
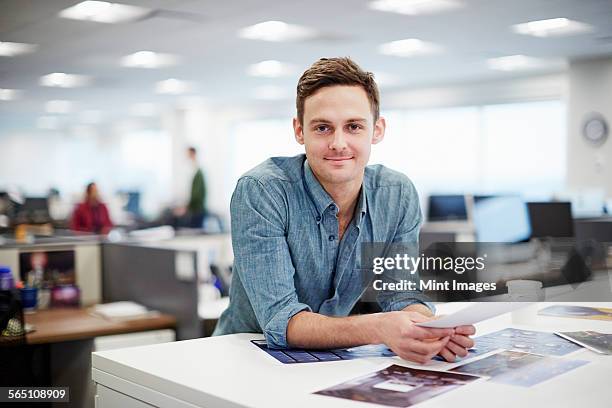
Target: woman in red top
(91,215)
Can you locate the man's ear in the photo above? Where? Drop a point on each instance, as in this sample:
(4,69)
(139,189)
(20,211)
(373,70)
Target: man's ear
(379,130)
(298,131)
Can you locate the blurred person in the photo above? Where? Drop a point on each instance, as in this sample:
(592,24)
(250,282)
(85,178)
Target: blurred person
(297,221)
(192,215)
(91,215)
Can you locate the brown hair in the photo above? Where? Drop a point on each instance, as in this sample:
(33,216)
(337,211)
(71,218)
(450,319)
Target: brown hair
(335,71)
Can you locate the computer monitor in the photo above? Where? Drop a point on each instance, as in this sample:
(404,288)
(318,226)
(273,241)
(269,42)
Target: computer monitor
(501,219)
(447,208)
(133,202)
(551,219)
(35,209)
(36,204)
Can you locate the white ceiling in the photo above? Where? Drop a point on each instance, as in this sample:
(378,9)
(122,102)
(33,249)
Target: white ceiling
(203,33)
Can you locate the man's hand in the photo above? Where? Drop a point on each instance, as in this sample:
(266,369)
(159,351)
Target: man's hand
(459,343)
(410,342)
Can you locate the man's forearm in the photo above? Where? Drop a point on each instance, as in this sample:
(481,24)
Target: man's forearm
(313,330)
(420,308)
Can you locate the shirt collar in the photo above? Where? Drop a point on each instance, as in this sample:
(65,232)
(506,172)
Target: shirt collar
(322,200)
(317,193)
(362,204)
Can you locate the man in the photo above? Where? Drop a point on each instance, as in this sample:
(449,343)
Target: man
(196,209)
(91,215)
(297,223)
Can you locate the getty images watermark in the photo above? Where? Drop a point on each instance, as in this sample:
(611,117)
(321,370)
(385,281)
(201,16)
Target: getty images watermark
(423,263)
(464,271)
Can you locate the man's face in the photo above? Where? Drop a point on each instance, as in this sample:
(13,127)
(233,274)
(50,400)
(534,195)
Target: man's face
(338,132)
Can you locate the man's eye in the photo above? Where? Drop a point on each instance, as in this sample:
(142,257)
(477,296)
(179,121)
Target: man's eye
(354,127)
(322,128)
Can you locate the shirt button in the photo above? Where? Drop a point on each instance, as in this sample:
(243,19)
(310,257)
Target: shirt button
(318,218)
(331,237)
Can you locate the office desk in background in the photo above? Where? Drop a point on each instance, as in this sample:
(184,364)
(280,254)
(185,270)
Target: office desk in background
(59,325)
(229,371)
(58,352)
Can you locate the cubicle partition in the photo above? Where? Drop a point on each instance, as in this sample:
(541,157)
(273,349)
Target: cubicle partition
(165,275)
(159,278)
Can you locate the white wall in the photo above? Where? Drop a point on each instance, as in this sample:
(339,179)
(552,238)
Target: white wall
(590,89)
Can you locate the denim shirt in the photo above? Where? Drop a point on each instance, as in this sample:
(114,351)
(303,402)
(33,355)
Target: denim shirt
(287,256)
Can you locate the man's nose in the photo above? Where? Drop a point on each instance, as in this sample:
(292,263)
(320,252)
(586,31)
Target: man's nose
(338,141)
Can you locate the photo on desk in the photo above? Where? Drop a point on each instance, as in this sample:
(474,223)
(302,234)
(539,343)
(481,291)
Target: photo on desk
(578,312)
(518,368)
(398,386)
(292,356)
(528,341)
(51,268)
(598,342)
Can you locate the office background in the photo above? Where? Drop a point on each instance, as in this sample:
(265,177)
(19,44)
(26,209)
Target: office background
(483,98)
(460,119)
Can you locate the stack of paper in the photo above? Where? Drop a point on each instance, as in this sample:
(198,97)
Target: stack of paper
(120,310)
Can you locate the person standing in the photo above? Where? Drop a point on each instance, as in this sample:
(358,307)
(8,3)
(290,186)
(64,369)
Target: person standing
(196,207)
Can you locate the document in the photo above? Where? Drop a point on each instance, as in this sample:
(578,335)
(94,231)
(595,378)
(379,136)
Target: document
(595,341)
(398,386)
(474,314)
(518,368)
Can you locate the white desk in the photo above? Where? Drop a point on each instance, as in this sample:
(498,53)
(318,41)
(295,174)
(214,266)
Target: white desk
(229,371)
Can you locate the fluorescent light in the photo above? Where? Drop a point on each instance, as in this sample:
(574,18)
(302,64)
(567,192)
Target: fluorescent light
(276,31)
(414,7)
(514,63)
(47,122)
(9,94)
(59,106)
(11,49)
(62,80)
(271,93)
(104,12)
(409,47)
(172,86)
(144,109)
(553,27)
(271,69)
(149,59)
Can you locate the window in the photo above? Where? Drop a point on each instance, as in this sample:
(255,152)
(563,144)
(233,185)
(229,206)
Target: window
(518,147)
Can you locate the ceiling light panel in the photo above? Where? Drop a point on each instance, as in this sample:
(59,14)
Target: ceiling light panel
(9,94)
(409,47)
(554,27)
(63,80)
(276,31)
(105,12)
(414,7)
(149,59)
(514,63)
(12,49)
(271,69)
(172,86)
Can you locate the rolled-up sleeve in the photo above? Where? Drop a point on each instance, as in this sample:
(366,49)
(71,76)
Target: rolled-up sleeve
(262,258)
(408,234)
